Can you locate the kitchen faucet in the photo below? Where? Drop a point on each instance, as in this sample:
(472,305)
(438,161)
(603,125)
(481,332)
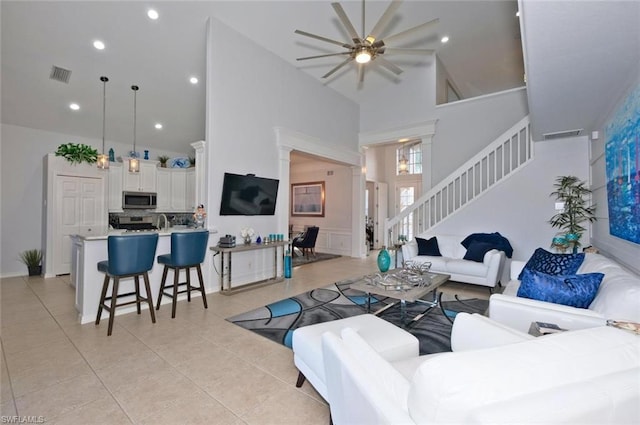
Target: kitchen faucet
(166,222)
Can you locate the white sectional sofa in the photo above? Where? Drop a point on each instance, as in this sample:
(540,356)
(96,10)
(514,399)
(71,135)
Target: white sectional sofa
(585,376)
(618,298)
(485,273)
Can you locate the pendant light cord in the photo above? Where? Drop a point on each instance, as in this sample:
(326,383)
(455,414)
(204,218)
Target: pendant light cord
(135,93)
(104,107)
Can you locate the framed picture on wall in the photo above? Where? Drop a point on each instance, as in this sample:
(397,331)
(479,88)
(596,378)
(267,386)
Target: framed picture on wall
(307,199)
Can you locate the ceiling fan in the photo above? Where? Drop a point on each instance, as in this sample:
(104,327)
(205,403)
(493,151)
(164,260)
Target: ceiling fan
(368,48)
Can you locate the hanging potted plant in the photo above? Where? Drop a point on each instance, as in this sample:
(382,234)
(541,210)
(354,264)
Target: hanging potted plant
(32,258)
(575,196)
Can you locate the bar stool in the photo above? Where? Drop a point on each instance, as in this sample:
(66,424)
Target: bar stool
(187,251)
(129,256)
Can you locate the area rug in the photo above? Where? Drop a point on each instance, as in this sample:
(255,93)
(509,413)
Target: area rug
(300,260)
(278,320)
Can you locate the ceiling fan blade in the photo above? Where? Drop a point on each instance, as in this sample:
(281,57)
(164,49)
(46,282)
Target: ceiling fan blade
(400,51)
(337,67)
(405,33)
(346,22)
(321,38)
(391,67)
(383,21)
(323,56)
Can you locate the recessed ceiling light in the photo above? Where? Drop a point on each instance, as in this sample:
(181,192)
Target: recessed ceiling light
(74,106)
(193,80)
(98,45)
(152,14)
(403,140)
(158,126)
(444,39)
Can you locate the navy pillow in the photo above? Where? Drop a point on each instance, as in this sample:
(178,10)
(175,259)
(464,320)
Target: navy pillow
(553,264)
(428,247)
(572,290)
(476,251)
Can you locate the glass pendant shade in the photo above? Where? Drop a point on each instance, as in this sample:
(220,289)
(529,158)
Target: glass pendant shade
(134,163)
(103,159)
(403,166)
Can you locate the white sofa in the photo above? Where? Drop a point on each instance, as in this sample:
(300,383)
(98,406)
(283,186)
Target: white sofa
(451,262)
(586,376)
(618,298)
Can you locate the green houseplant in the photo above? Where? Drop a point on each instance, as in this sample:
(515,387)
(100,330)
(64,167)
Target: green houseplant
(32,258)
(163,160)
(77,153)
(575,196)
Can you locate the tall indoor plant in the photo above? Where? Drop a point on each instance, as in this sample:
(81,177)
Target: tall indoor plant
(575,196)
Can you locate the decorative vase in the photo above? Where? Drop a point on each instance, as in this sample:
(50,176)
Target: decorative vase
(384,260)
(146,154)
(258,240)
(247,240)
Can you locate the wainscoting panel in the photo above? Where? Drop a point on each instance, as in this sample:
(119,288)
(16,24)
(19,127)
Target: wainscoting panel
(334,241)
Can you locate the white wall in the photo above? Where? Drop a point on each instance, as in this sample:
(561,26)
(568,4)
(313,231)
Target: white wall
(22,151)
(519,207)
(624,251)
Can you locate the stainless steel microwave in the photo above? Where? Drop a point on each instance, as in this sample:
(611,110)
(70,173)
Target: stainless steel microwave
(139,200)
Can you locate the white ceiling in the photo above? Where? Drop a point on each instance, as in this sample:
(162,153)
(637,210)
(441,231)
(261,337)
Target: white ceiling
(483,56)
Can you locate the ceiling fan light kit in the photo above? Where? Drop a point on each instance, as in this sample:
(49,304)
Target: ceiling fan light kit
(368,48)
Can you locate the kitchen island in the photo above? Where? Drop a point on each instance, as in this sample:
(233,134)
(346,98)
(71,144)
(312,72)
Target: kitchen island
(87,251)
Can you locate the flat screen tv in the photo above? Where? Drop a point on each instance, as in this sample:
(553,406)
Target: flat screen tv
(248,195)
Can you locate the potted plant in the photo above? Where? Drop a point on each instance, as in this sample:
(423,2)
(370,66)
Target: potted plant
(33,260)
(163,160)
(74,152)
(575,196)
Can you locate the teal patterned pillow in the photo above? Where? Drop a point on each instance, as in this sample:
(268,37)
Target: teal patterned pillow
(553,264)
(572,290)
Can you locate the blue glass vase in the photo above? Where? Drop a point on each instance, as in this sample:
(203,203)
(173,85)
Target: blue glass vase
(384,260)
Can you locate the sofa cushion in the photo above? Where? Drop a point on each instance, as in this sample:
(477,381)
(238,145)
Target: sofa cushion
(428,247)
(553,264)
(572,290)
(476,251)
(465,267)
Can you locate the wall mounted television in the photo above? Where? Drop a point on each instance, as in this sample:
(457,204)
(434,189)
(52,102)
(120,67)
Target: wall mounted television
(248,195)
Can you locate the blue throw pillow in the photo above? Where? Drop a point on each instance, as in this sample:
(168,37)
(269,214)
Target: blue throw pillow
(428,247)
(553,264)
(476,251)
(572,290)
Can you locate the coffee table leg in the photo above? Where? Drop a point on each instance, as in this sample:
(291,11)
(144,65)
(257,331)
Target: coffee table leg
(403,312)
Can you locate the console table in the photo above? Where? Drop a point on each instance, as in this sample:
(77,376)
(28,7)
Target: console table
(226,257)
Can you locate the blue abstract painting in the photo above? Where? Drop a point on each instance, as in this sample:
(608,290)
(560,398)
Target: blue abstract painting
(622,155)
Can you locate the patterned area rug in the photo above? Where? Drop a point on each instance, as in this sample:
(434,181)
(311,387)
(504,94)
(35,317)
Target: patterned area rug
(300,260)
(278,320)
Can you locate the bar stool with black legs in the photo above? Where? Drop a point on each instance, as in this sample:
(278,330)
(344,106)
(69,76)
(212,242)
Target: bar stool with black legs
(129,256)
(187,251)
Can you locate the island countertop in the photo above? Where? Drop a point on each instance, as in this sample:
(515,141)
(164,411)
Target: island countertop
(100,235)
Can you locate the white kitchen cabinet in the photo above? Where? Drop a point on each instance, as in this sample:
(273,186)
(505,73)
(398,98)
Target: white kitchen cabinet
(115,187)
(142,181)
(178,190)
(163,188)
(191,189)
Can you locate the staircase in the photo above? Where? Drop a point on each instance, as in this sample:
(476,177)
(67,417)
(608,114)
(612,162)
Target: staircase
(499,160)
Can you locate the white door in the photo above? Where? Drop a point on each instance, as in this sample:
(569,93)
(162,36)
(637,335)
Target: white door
(406,194)
(380,213)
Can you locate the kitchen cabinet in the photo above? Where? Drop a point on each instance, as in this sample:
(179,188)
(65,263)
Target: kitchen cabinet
(115,187)
(176,189)
(163,188)
(142,181)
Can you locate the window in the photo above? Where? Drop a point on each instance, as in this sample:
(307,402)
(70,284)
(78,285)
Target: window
(406,195)
(409,158)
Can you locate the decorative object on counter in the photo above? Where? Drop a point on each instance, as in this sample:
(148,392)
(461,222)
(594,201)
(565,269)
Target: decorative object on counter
(199,216)
(384,259)
(146,154)
(247,233)
(77,153)
(192,161)
(32,258)
(163,161)
(287,264)
(103,160)
(574,196)
(112,155)
(180,163)
(258,240)
(134,162)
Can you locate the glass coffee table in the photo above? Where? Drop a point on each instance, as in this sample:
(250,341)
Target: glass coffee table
(397,284)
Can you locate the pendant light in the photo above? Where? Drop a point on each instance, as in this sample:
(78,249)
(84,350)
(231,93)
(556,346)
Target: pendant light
(103,159)
(134,162)
(403,165)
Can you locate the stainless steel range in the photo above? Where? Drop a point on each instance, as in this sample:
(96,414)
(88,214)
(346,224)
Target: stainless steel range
(137,223)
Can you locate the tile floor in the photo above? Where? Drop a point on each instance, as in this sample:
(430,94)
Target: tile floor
(196,368)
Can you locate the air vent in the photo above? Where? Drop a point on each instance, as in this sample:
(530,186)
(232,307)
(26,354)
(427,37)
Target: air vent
(60,74)
(561,134)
